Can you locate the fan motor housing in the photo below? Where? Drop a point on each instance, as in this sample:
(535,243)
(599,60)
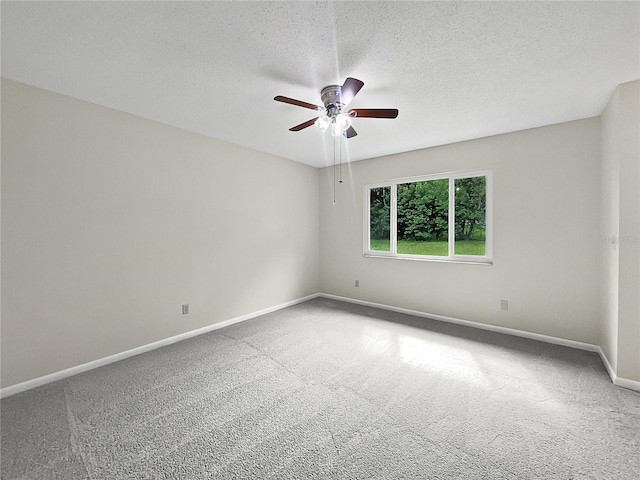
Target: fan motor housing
(332,99)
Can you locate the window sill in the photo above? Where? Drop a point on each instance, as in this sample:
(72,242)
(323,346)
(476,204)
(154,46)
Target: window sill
(419,258)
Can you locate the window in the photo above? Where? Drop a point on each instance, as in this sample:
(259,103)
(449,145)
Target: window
(440,217)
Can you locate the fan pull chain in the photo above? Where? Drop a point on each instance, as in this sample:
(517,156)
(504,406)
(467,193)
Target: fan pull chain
(340,143)
(334,171)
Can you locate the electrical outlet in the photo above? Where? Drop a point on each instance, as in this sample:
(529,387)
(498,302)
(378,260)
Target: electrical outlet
(185,308)
(357,283)
(504,304)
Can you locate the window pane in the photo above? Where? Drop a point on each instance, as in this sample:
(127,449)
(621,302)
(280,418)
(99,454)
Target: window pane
(471,211)
(380,219)
(423,217)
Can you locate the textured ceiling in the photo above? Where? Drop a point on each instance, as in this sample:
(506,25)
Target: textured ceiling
(455,71)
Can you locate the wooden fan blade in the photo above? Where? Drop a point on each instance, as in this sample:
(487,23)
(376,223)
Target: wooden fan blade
(350,132)
(299,103)
(306,124)
(374,112)
(349,89)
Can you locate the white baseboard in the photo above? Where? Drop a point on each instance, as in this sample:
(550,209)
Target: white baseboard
(619,381)
(468,323)
(37,382)
(607,365)
(626,383)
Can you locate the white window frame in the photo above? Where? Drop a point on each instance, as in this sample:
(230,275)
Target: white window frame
(487,259)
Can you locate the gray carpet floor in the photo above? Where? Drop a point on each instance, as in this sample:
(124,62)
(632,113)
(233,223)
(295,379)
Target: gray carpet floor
(331,390)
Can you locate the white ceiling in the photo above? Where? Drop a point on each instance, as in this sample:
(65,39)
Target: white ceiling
(455,70)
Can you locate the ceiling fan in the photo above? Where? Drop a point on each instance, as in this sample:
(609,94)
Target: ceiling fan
(337,118)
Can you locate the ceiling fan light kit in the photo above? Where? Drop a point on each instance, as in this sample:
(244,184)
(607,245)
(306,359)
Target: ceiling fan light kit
(323,123)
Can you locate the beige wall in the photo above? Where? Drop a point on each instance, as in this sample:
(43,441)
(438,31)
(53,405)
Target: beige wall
(621,221)
(546,234)
(610,229)
(111,222)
